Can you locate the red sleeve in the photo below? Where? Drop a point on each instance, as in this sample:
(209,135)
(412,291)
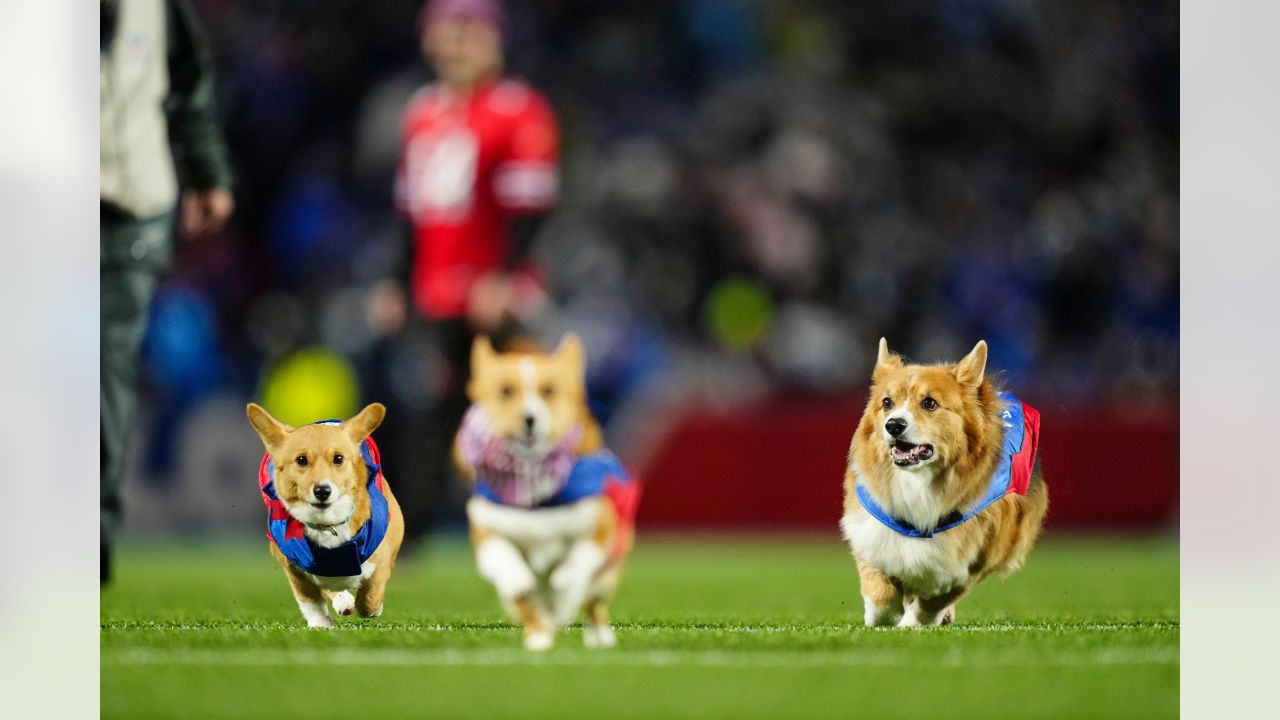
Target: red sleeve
(527,180)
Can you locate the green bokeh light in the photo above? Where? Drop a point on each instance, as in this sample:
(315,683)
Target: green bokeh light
(738,313)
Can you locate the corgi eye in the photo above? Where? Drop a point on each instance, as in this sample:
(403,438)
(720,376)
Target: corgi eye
(507,391)
(886,403)
(337,459)
(548,391)
(301,460)
(929,404)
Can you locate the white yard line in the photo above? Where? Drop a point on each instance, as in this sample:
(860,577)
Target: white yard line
(369,627)
(449,657)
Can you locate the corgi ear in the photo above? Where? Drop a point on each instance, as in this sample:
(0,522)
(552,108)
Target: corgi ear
(570,351)
(973,367)
(884,357)
(885,360)
(482,353)
(271,430)
(365,422)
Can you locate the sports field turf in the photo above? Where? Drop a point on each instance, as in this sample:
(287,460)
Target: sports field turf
(722,627)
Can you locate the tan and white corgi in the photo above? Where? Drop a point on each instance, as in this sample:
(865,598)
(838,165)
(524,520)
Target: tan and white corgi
(552,513)
(332,524)
(942,489)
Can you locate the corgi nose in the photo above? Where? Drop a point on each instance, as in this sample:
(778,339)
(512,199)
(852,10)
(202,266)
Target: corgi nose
(322,492)
(528,424)
(895,426)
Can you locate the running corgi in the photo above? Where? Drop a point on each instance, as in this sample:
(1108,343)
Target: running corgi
(552,515)
(332,522)
(943,487)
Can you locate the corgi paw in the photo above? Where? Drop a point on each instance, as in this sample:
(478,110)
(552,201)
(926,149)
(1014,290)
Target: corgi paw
(915,617)
(601,636)
(538,641)
(344,603)
(886,616)
(910,619)
(315,613)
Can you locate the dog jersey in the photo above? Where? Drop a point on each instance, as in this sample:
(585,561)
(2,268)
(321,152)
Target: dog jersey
(599,474)
(468,165)
(560,477)
(288,533)
(1012,474)
(603,474)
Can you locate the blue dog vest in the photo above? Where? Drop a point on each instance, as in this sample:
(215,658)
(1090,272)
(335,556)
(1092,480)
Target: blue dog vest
(1012,473)
(289,534)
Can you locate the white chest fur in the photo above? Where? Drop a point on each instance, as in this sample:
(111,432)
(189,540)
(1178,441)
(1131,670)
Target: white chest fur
(925,566)
(913,498)
(544,535)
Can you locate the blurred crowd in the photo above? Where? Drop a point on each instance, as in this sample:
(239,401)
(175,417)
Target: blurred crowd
(754,192)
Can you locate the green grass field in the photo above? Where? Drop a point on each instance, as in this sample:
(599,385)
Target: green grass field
(720,627)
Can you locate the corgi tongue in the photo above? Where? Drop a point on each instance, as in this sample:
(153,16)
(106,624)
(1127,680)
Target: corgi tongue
(905,452)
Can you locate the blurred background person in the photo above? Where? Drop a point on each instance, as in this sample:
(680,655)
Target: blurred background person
(477,176)
(158,135)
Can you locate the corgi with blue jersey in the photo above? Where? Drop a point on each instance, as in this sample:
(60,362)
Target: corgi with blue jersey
(943,487)
(552,513)
(332,523)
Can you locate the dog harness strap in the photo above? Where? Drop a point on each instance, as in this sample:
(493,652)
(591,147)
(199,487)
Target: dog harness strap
(1012,473)
(875,510)
(289,534)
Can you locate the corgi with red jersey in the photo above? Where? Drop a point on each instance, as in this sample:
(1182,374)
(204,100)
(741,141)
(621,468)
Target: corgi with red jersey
(332,523)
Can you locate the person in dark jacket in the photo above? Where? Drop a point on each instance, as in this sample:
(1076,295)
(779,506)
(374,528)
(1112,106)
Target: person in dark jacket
(160,147)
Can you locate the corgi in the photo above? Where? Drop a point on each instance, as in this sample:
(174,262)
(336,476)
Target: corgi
(942,488)
(333,524)
(552,512)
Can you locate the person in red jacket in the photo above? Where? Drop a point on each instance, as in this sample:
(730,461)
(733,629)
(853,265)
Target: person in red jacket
(478,174)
